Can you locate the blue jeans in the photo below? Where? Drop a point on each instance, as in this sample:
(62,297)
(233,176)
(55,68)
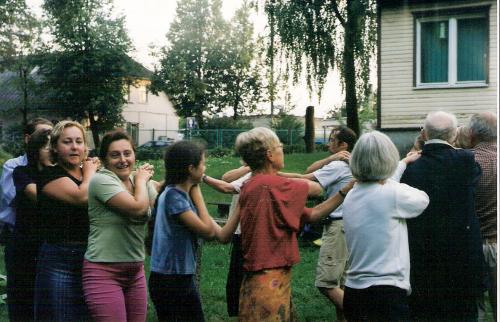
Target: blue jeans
(58,286)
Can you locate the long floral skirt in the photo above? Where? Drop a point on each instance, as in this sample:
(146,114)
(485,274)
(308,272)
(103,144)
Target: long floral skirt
(266,296)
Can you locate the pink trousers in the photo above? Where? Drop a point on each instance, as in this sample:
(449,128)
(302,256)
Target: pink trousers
(115,292)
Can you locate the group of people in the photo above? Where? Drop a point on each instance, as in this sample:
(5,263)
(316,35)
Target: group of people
(76,226)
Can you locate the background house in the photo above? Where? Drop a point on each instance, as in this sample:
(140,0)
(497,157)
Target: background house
(435,55)
(147,116)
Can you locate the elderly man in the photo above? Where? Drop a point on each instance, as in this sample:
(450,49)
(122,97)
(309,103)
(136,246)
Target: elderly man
(483,128)
(445,243)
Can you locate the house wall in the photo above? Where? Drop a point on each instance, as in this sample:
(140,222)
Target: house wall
(157,113)
(403,106)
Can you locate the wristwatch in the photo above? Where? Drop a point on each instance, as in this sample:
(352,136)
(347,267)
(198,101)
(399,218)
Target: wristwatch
(342,193)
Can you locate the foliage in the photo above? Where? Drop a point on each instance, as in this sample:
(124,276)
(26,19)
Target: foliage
(20,39)
(318,36)
(243,81)
(148,153)
(220,152)
(289,128)
(206,67)
(86,71)
(4,156)
(222,131)
(13,142)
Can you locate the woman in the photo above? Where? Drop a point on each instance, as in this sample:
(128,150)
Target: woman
(181,217)
(62,203)
(272,210)
(375,213)
(23,247)
(114,283)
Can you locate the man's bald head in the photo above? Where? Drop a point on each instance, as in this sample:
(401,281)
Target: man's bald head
(440,125)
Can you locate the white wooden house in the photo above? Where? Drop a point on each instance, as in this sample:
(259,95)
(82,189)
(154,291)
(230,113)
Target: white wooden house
(435,55)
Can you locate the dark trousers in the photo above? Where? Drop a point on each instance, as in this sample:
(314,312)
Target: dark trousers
(175,297)
(234,277)
(21,252)
(376,303)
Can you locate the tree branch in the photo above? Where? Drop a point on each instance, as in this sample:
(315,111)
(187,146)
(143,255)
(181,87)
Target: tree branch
(335,8)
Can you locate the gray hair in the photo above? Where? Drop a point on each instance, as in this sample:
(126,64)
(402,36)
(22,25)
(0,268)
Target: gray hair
(252,146)
(374,157)
(441,125)
(484,126)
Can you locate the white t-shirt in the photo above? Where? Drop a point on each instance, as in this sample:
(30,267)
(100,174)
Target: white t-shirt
(237,186)
(332,177)
(376,233)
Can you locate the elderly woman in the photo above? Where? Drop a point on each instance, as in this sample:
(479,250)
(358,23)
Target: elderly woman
(375,213)
(272,210)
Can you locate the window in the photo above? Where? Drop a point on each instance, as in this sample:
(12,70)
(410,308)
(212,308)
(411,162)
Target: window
(143,94)
(452,51)
(133,131)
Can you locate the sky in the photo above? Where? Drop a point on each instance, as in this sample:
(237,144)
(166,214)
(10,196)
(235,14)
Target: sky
(148,21)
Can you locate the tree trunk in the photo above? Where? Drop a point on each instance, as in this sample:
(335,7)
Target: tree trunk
(351,102)
(24,78)
(272,26)
(309,133)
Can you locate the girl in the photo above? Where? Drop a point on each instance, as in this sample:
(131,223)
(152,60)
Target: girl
(62,205)
(114,283)
(181,217)
(272,210)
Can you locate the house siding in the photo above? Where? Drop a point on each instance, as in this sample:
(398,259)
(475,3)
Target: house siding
(403,106)
(157,113)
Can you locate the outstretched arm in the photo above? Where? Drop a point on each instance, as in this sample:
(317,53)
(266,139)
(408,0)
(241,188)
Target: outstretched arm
(339,156)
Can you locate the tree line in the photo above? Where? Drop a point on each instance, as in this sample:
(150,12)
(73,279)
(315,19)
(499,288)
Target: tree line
(80,51)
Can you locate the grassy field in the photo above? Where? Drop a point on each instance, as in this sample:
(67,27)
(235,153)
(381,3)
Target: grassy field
(309,303)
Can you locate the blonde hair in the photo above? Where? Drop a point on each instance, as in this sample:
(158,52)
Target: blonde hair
(57,132)
(463,139)
(252,146)
(374,157)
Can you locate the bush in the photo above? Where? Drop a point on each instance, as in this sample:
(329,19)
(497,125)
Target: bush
(294,148)
(320,147)
(144,153)
(13,142)
(219,152)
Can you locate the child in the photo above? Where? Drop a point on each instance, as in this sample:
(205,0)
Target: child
(181,217)
(272,211)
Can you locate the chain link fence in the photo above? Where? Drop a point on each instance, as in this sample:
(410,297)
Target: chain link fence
(293,140)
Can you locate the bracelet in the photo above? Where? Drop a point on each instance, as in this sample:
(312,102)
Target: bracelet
(204,177)
(342,193)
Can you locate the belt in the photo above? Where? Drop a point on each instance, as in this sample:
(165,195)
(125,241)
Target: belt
(329,219)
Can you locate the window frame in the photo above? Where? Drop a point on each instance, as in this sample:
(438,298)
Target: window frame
(451,16)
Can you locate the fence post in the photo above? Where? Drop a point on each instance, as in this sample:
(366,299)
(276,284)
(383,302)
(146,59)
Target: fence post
(153,134)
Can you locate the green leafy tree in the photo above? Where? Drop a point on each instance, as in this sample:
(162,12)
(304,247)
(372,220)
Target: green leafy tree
(319,35)
(20,32)
(243,79)
(88,69)
(183,67)
(207,66)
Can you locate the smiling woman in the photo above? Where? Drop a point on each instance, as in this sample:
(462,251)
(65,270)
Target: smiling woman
(119,208)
